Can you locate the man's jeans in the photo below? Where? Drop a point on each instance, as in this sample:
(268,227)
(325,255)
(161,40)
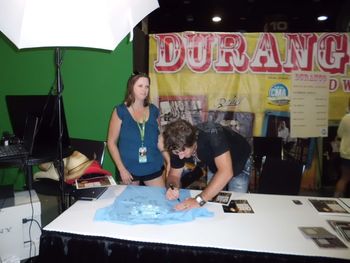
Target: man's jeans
(240,182)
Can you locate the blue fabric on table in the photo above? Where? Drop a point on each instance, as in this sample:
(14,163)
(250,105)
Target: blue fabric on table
(148,205)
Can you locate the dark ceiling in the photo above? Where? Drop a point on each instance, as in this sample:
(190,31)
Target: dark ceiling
(250,16)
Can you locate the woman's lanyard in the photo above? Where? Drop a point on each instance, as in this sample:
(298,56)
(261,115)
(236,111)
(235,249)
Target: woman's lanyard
(142,129)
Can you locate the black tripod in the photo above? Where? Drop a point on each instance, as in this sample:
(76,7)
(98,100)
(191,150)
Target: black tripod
(59,162)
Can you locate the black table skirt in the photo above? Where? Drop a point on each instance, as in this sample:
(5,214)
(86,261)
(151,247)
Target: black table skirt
(64,247)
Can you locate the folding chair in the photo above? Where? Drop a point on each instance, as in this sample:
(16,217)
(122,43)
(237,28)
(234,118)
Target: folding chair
(280,176)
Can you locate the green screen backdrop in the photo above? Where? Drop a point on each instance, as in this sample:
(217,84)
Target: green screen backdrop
(94,82)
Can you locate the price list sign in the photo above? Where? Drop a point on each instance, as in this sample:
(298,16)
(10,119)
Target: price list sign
(309,105)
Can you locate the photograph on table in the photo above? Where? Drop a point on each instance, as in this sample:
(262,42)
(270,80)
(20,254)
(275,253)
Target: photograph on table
(238,206)
(341,227)
(329,242)
(221,198)
(328,206)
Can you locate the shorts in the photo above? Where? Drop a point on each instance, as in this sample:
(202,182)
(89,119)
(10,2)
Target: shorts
(148,177)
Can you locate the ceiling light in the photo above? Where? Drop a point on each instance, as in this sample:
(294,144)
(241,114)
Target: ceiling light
(322,18)
(216,19)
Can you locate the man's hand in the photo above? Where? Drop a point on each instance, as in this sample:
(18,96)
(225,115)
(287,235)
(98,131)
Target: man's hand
(172,193)
(188,204)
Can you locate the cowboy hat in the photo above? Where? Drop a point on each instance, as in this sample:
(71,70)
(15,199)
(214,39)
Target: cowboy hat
(49,171)
(93,169)
(75,166)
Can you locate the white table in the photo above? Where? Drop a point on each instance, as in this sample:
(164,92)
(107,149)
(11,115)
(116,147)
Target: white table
(272,228)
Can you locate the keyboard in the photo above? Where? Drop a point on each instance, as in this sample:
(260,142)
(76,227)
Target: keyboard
(13,150)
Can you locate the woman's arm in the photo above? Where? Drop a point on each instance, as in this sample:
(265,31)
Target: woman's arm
(166,155)
(113,135)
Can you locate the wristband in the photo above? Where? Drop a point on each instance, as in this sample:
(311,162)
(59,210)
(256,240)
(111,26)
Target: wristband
(199,199)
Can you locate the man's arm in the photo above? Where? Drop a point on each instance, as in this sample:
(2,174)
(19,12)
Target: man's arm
(221,178)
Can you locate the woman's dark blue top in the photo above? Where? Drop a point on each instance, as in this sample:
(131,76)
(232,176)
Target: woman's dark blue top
(130,141)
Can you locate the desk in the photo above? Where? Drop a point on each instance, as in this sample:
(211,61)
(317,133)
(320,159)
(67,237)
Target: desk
(27,162)
(271,234)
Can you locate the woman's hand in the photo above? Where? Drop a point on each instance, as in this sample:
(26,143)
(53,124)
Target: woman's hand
(126,177)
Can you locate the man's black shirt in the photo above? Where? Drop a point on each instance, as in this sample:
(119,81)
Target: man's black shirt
(214,140)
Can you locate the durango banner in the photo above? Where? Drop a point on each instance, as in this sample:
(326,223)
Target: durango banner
(255,83)
(245,79)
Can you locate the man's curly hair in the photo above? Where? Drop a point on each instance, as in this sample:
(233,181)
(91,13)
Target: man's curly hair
(178,135)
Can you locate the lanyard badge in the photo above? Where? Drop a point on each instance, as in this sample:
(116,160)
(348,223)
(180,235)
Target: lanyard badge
(142,149)
(142,154)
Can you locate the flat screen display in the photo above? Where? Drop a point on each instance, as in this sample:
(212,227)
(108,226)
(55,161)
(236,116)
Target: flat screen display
(45,107)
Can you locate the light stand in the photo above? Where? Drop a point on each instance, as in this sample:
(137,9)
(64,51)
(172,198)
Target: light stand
(60,164)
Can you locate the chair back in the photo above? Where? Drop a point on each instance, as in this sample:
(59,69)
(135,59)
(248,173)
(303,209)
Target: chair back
(266,146)
(280,176)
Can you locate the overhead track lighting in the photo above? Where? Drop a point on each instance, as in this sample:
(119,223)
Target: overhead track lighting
(216,19)
(322,18)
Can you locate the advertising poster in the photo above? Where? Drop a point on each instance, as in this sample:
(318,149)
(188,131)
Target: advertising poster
(246,73)
(249,82)
(309,105)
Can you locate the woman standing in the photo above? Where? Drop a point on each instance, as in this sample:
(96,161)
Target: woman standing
(344,135)
(133,136)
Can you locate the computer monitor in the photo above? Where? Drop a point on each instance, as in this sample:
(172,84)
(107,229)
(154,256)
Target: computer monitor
(45,107)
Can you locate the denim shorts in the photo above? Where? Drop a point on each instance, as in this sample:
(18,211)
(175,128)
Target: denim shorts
(239,183)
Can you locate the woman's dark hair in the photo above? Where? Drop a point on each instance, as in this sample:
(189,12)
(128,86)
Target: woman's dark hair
(129,94)
(178,135)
